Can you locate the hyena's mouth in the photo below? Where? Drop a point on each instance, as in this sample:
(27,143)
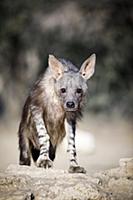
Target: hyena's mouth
(71,109)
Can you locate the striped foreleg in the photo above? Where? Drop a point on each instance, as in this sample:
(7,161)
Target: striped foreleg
(43,137)
(74,167)
(71,144)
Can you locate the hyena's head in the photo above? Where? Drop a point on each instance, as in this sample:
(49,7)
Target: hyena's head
(71,83)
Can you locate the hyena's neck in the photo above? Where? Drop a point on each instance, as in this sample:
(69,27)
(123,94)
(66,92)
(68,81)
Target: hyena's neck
(48,89)
(50,100)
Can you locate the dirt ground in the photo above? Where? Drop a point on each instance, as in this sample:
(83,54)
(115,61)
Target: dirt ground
(112,140)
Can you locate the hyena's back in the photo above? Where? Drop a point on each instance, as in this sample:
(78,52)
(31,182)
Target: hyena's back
(43,97)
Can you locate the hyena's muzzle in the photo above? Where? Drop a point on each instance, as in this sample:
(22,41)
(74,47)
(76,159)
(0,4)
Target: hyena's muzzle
(71,89)
(73,104)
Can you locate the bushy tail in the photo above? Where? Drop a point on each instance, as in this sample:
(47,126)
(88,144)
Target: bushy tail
(35,152)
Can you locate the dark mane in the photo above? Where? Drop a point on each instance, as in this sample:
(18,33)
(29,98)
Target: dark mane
(68,65)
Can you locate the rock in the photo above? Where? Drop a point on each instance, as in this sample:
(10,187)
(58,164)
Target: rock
(32,183)
(126,165)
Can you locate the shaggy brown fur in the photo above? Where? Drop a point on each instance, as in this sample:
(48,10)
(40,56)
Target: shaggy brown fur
(57,96)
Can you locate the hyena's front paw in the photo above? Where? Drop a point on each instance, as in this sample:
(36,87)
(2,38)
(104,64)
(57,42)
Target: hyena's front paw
(44,161)
(76,169)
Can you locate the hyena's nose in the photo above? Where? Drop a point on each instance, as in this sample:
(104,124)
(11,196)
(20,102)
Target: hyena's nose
(70,104)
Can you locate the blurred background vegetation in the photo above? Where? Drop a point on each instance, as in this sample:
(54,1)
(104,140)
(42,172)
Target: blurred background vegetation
(32,29)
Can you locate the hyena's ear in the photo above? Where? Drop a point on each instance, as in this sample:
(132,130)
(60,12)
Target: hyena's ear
(88,67)
(56,67)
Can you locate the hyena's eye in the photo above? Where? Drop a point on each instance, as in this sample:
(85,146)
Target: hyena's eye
(63,90)
(79,90)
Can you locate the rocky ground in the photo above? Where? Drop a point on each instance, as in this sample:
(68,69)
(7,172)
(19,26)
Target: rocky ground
(29,183)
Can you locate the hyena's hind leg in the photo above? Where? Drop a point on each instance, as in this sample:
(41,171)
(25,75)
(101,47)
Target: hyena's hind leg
(24,157)
(36,152)
(52,151)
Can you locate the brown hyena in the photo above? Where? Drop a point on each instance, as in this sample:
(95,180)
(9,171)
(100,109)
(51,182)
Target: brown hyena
(55,100)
